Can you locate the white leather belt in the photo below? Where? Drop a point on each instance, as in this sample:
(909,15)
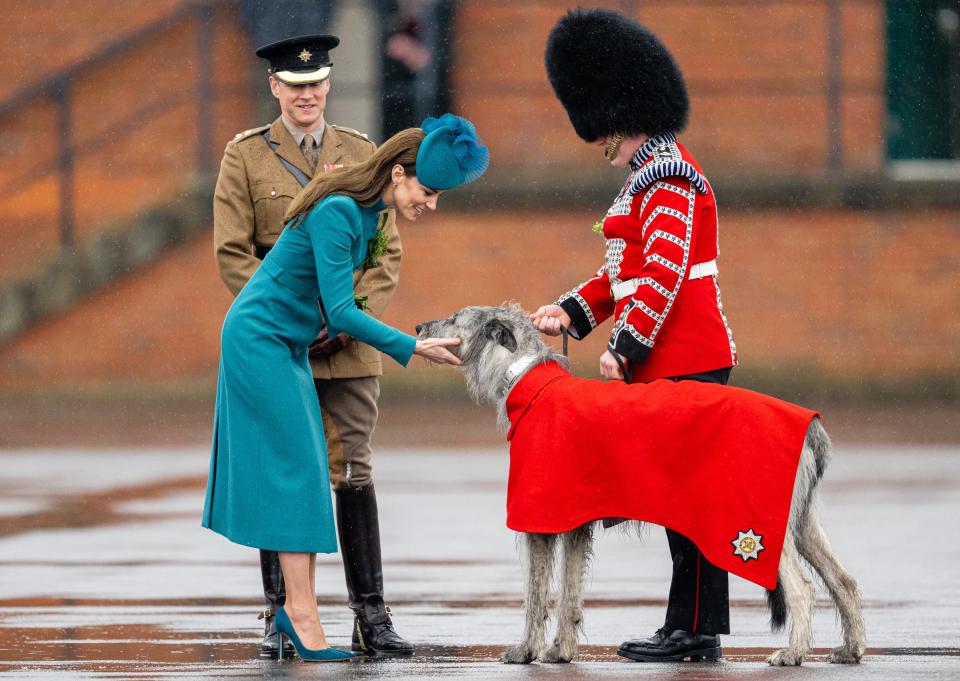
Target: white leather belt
(703,269)
(630,286)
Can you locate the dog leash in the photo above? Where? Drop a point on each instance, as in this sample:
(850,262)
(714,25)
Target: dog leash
(624,366)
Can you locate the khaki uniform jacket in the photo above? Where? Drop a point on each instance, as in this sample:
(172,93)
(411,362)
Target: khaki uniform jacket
(252,195)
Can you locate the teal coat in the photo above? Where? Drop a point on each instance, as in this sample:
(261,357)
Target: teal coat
(268,485)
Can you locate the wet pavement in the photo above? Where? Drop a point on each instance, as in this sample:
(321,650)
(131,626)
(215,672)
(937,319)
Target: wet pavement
(106,573)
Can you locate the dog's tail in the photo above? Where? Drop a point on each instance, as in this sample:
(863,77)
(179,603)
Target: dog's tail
(777,603)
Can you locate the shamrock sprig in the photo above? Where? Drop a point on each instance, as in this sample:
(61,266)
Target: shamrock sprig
(376,248)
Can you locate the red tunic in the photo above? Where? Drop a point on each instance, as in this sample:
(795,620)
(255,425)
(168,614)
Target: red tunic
(661,235)
(715,463)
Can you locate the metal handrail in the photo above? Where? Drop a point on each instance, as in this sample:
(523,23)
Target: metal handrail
(60,86)
(118,130)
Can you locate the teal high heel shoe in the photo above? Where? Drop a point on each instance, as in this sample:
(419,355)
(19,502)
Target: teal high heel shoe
(285,628)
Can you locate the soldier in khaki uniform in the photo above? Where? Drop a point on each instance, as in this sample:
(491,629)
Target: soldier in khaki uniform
(262,170)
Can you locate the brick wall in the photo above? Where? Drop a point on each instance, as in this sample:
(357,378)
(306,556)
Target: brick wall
(134,118)
(41,38)
(835,294)
(756,72)
(809,293)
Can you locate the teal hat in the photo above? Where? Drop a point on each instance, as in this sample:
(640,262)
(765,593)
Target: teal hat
(451,154)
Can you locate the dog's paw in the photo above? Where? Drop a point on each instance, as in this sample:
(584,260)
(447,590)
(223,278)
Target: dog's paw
(785,658)
(518,654)
(558,654)
(844,655)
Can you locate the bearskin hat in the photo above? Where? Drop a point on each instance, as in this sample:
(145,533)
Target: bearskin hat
(613,75)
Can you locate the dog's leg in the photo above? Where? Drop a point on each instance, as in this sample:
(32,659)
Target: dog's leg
(576,556)
(799,593)
(539,550)
(815,548)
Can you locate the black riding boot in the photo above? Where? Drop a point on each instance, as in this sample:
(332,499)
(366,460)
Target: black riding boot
(275,595)
(359,530)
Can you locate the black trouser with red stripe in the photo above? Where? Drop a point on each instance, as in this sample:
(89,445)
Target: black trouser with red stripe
(699,594)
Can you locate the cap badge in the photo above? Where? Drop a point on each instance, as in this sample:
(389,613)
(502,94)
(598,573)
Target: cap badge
(747,545)
(305,56)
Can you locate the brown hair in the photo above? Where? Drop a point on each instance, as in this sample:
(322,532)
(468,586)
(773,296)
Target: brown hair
(364,182)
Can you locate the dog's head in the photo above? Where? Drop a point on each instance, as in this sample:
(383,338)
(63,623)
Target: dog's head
(491,339)
(480,329)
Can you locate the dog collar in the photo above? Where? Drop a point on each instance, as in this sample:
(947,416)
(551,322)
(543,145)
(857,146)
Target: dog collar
(517,368)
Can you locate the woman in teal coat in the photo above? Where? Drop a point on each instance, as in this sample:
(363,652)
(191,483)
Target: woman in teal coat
(268,486)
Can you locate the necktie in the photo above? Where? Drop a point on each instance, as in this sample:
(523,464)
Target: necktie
(310,151)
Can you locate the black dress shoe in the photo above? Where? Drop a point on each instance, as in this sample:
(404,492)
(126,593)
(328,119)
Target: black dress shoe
(672,646)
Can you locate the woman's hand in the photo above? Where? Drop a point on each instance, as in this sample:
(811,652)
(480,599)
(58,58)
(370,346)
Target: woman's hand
(549,318)
(609,368)
(435,349)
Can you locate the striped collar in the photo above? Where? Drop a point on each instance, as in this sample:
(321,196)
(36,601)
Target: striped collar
(646,149)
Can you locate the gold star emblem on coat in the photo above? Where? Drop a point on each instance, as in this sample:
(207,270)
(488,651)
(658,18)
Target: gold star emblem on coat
(305,56)
(747,545)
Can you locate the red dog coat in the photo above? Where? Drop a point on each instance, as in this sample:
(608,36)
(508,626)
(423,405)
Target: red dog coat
(715,463)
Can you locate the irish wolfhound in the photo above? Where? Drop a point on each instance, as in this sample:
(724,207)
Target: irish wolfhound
(498,346)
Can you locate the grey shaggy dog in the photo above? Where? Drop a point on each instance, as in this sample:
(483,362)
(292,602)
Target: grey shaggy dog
(497,346)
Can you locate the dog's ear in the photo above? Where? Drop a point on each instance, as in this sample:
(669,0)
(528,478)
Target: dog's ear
(500,332)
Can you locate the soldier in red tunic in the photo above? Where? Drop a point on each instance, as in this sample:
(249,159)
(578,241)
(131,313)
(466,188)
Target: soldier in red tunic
(623,91)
